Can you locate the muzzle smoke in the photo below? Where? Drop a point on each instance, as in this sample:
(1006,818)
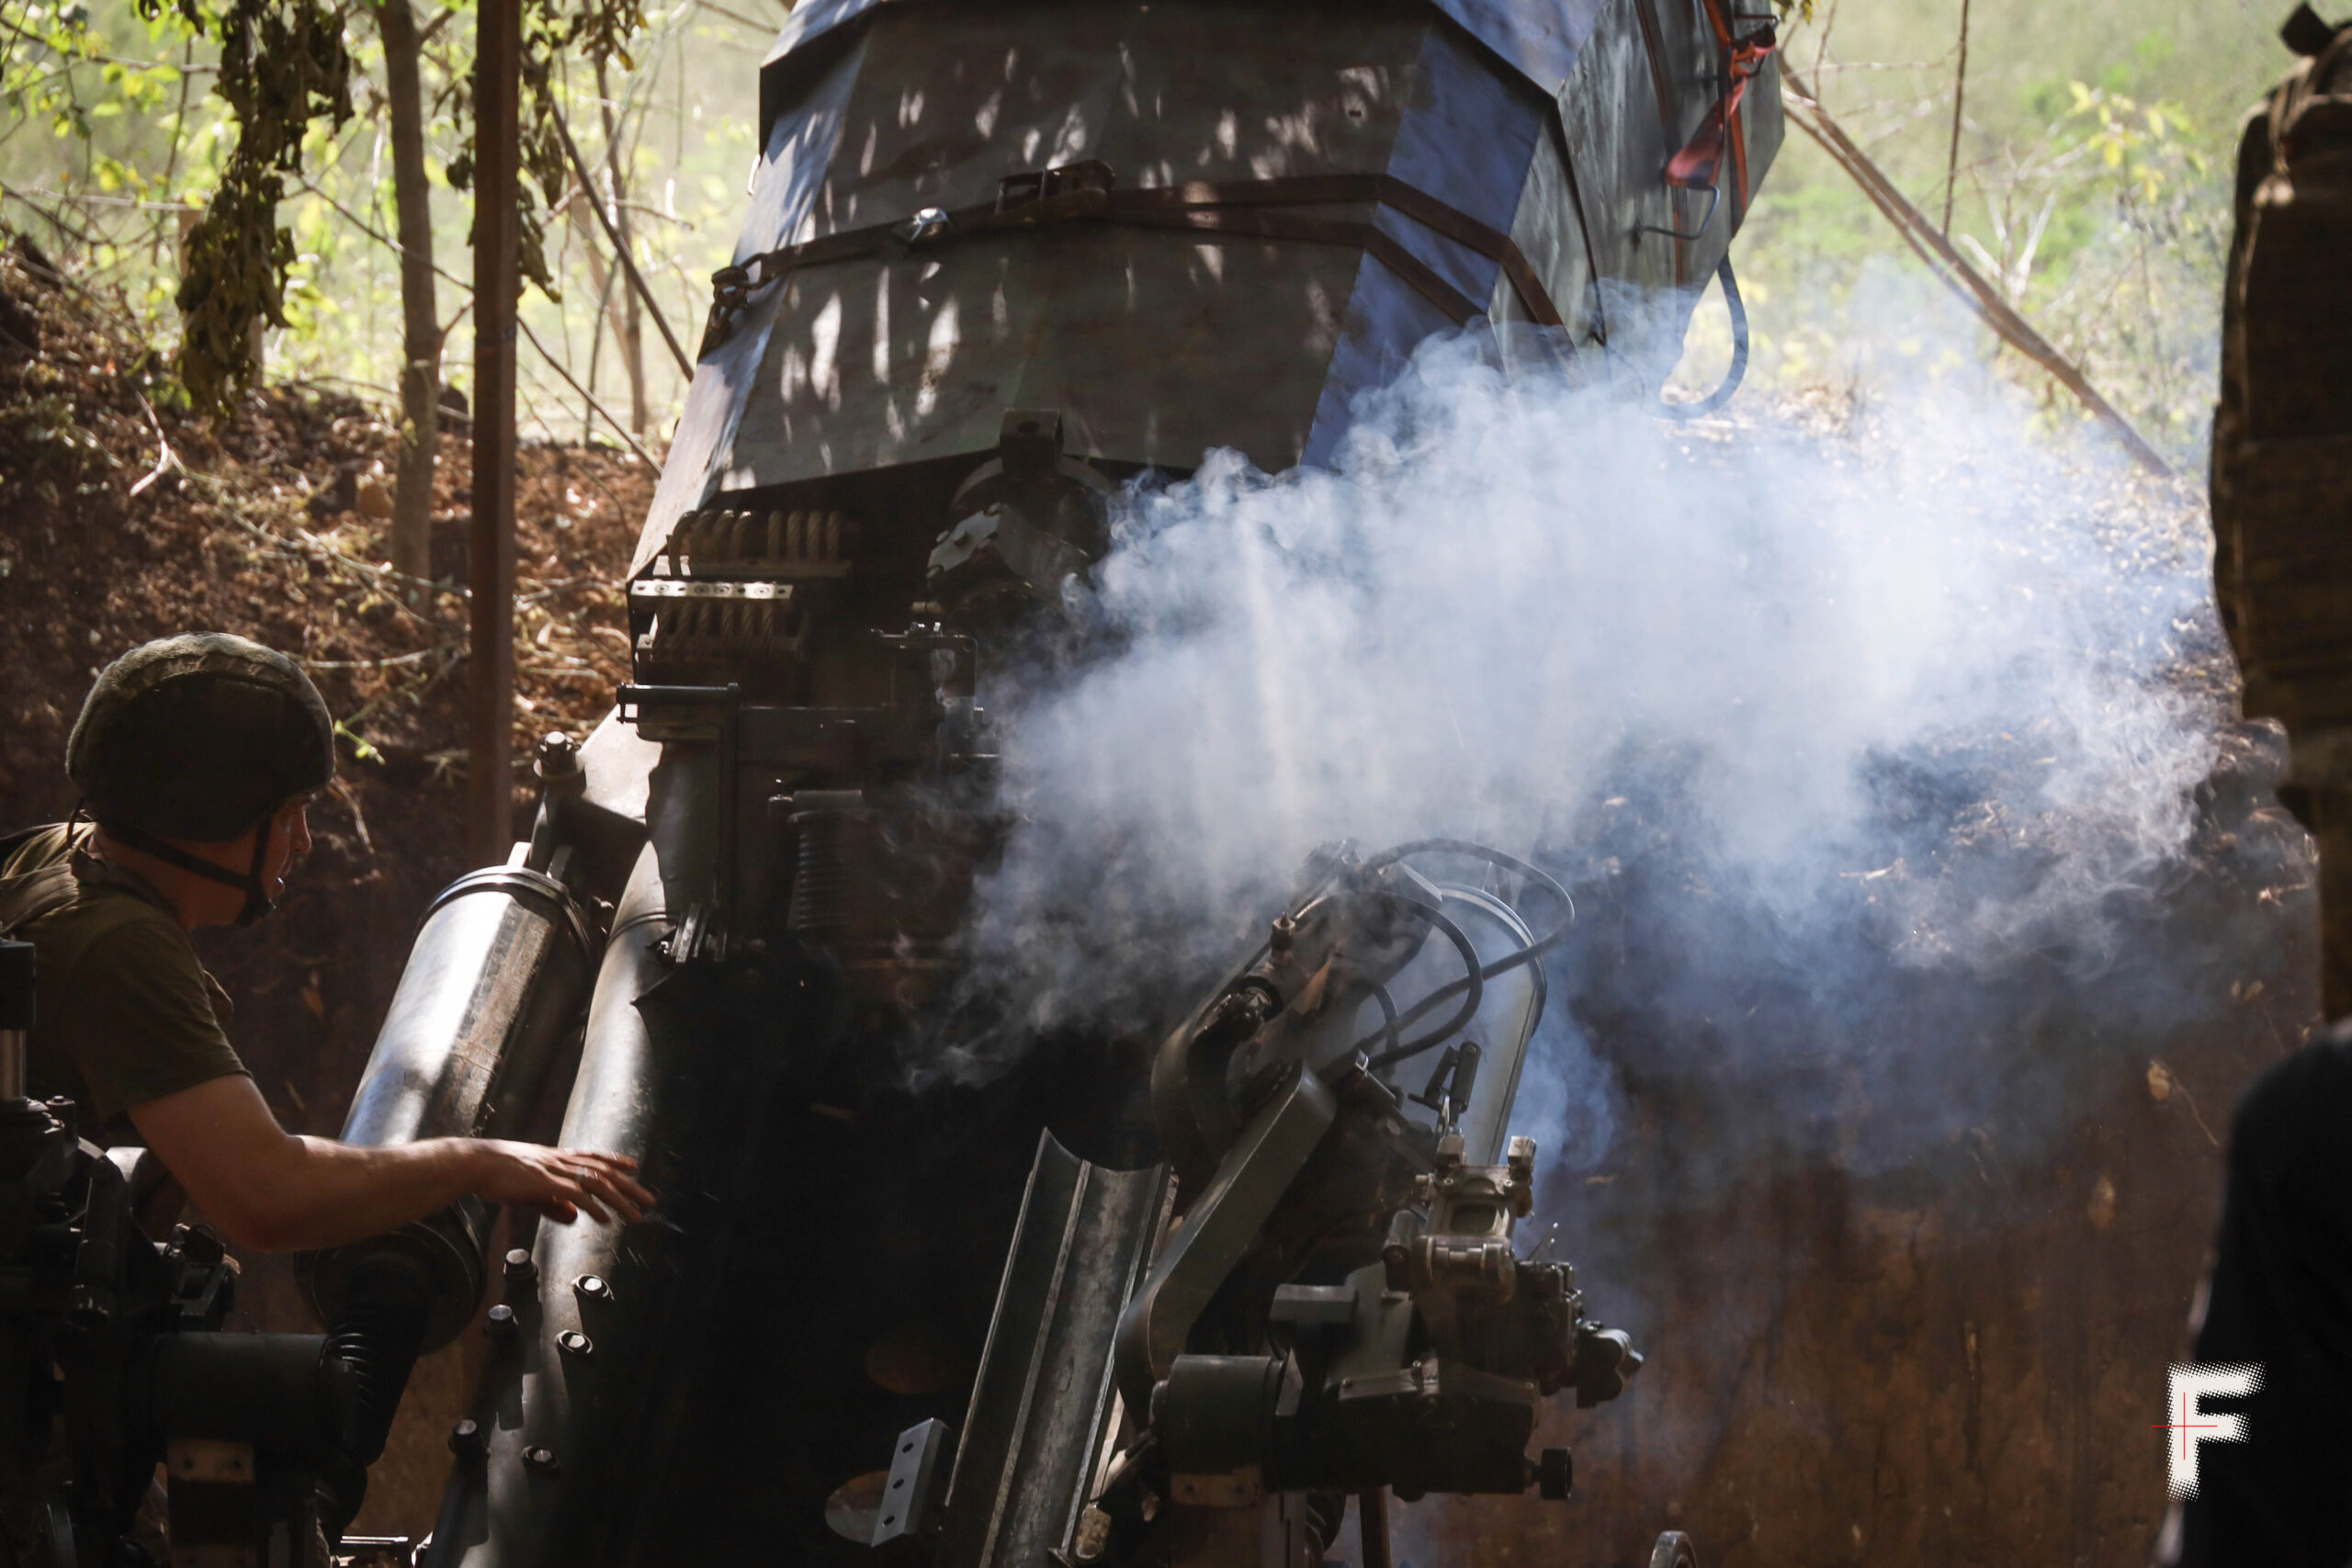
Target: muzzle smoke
(1822,711)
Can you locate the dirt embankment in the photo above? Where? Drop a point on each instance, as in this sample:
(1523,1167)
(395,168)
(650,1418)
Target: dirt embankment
(122,520)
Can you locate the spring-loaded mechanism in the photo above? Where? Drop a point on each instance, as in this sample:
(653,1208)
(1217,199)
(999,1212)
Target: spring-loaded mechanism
(825,825)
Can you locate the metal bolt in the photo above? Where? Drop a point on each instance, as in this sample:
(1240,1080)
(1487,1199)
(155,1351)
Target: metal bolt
(520,1268)
(541,1460)
(501,1324)
(1282,932)
(592,1287)
(572,1342)
(559,755)
(467,1439)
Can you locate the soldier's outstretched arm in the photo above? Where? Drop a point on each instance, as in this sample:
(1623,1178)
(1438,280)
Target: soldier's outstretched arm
(272,1190)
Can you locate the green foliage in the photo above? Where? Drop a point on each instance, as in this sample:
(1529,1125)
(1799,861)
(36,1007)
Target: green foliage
(50,63)
(113,145)
(2089,184)
(284,65)
(286,69)
(599,30)
(2146,145)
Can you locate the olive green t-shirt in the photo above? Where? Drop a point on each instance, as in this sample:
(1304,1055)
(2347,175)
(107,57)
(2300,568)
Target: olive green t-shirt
(124,1013)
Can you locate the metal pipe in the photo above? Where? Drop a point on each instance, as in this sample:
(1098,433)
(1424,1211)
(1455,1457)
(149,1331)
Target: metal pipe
(494,983)
(508,1507)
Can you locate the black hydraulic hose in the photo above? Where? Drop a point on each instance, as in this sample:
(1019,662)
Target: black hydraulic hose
(1510,961)
(1388,1012)
(1738,371)
(377,1336)
(1474,980)
(1544,880)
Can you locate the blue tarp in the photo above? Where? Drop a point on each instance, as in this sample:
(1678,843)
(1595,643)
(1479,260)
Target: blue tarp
(1539,39)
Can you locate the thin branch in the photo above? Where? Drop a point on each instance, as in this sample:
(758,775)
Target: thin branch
(92,303)
(379,235)
(165,463)
(685,223)
(311,548)
(120,60)
(1953,270)
(1821,50)
(620,249)
(586,396)
(172,161)
(1840,67)
(556,213)
(391,658)
(596,348)
(81,236)
(1959,98)
(90,198)
(316,378)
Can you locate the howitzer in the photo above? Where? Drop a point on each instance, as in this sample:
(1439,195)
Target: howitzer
(1164,1300)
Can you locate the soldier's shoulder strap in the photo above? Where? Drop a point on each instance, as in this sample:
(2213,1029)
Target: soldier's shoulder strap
(44,890)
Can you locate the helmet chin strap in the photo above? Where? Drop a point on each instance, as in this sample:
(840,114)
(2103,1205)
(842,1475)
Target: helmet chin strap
(257,899)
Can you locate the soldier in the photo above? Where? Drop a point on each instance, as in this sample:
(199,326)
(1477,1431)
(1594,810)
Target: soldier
(196,757)
(2278,1295)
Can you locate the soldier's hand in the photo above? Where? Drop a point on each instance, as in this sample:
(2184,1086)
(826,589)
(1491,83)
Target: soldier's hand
(561,1183)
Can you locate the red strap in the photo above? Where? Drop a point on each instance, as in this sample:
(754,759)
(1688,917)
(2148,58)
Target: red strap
(1694,167)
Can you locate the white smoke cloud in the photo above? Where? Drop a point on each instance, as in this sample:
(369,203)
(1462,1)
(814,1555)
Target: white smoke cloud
(1903,685)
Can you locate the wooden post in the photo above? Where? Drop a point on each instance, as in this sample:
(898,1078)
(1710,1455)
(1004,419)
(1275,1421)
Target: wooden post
(490,770)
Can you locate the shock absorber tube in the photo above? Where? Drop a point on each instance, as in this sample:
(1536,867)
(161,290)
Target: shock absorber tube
(570,1460)
(494,987)
(510,1504)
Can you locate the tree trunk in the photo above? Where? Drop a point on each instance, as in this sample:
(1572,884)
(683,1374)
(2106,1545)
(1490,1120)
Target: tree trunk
(411,541)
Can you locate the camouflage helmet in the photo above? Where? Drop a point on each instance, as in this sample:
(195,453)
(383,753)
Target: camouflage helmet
(199,737)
